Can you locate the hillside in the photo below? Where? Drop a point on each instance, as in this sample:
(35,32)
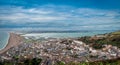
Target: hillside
(98,41)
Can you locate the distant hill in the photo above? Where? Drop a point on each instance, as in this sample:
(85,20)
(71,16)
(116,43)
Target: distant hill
(97,41)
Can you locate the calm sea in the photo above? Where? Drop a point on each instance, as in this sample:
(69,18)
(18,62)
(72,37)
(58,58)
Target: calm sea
(64,34)
(4,37)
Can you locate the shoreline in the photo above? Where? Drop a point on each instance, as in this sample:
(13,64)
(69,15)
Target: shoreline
(13,40)
(7,41)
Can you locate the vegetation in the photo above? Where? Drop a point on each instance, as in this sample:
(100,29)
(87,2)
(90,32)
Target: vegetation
(116,33)
(107,62)
(60,63)
(111,38)
(34,61)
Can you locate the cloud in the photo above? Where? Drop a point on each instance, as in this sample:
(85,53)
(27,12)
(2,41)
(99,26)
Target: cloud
(52,16)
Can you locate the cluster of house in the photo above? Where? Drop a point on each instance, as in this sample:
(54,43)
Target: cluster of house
(66,50)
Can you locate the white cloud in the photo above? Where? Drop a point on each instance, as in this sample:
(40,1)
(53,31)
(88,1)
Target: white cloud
(38,11)
(64,15)
(53,14)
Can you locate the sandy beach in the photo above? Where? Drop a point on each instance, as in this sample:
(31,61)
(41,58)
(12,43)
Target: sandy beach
(14,40)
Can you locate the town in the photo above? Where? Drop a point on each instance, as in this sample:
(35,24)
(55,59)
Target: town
(66,50)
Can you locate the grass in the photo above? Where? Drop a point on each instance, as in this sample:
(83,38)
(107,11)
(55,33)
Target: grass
(107,62)
(111,38)
(116,33)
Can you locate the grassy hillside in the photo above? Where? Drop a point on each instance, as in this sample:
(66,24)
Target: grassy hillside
(98,40)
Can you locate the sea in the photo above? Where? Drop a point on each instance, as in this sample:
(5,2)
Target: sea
(67,34)
(4,37)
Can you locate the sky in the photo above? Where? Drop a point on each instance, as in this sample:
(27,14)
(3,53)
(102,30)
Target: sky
(60,14)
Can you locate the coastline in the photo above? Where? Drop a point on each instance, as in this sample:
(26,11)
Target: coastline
(14,40)
(6,42)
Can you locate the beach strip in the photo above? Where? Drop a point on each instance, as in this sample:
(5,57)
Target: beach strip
(14,40)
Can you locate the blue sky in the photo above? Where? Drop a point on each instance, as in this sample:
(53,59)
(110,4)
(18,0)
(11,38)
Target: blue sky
(60,14)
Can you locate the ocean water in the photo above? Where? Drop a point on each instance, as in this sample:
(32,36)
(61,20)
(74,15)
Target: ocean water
(4,37)
(64,34)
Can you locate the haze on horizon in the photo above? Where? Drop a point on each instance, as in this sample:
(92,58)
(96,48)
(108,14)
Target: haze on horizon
(60,14)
